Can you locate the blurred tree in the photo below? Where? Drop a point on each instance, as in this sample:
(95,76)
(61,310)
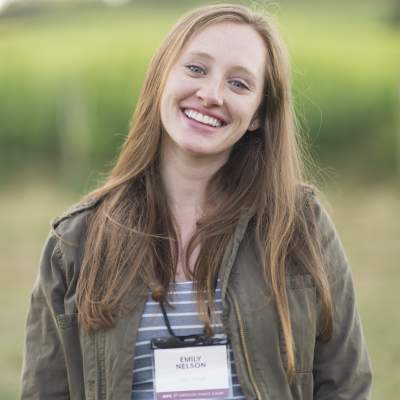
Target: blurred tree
(395,12)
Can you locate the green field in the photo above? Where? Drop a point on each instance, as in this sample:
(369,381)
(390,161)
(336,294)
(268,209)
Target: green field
(366,217)
(70,81)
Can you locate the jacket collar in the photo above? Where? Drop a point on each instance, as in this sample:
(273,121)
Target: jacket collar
(75,209)
(231,252)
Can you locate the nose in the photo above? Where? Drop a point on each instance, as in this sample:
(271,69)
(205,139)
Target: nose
(211,93)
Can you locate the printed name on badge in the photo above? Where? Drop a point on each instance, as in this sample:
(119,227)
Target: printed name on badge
(200,372)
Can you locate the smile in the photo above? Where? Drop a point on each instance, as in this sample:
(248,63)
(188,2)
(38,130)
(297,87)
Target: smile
(204,119)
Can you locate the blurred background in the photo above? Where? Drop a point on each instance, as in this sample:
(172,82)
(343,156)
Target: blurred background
(70,73)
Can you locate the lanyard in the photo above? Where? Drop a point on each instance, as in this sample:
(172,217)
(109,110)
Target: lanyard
(166,320)
(191,366)
(195,339)
(176,341)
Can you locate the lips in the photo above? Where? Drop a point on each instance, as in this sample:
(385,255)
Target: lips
(204,117)
(200,126)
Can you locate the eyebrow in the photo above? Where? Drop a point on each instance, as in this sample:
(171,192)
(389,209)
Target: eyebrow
(239,68)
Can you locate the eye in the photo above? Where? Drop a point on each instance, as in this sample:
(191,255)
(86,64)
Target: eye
(238,84)
(196,69)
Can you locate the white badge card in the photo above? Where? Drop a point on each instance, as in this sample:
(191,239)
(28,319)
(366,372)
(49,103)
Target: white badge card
(200,372)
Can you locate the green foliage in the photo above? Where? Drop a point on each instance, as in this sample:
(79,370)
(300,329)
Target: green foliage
(69,83)
(68,87)
(347,88)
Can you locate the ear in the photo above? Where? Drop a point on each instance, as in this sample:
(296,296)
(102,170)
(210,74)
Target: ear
(255,124)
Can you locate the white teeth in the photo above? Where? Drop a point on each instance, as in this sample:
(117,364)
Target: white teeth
(205,119)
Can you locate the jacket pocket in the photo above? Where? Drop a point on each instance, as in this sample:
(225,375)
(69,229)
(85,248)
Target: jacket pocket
(299,281)
(303,313)
(70,338)
(65,321)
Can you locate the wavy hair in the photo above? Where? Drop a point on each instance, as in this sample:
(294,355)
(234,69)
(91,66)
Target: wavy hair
(131,237)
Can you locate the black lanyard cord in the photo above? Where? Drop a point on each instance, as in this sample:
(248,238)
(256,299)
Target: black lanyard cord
(195,338)
(168,325)
(166,319)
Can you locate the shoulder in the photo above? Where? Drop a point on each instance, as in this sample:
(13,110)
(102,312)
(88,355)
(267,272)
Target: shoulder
(63,250)
(310,202)
(318,221)
(75,209)
(334,258)
(70,226)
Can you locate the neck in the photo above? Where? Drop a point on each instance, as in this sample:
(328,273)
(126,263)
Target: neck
(185,178)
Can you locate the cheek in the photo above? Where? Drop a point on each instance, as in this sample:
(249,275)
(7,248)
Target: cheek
(167,99)
(244,109)
(163,111)
(245,116)
(176,85)
(250,112)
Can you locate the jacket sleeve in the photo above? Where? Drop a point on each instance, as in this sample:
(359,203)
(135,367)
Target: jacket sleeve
(44,374)
(341,366)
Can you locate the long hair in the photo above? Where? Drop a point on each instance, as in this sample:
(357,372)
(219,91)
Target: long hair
(131,236)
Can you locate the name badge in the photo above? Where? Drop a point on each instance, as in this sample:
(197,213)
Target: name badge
(199,372)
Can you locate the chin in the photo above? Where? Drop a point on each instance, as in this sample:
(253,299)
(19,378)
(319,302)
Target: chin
(196,151)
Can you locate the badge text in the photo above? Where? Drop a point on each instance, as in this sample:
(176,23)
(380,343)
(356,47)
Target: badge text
(190,362)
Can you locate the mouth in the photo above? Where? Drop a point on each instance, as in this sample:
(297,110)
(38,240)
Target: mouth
(203,119)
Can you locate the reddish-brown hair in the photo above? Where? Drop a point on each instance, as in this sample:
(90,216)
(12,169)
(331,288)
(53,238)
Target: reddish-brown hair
(131,236)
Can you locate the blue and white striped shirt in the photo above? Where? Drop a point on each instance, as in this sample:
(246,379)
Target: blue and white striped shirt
(184,320)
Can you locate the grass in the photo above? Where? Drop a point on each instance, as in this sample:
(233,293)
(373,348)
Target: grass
(366,217)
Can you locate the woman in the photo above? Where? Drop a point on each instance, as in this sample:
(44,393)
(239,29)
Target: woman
(206,200)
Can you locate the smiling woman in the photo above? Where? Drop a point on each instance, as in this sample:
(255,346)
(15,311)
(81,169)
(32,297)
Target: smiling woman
(205,266)
(212,93)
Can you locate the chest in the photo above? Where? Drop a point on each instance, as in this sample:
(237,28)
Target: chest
(184,320)
(247,314)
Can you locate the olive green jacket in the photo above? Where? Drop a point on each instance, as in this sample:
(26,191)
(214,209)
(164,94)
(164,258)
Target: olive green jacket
(61,361)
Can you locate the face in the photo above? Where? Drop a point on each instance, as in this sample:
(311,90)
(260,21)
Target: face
(213,91)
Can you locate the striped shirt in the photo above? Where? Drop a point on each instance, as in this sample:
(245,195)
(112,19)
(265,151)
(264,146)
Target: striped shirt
(184,320)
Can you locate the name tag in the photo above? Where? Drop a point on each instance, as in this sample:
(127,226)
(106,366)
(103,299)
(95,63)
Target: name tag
(200,372)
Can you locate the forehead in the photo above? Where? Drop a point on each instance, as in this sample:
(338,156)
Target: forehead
(231,44)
